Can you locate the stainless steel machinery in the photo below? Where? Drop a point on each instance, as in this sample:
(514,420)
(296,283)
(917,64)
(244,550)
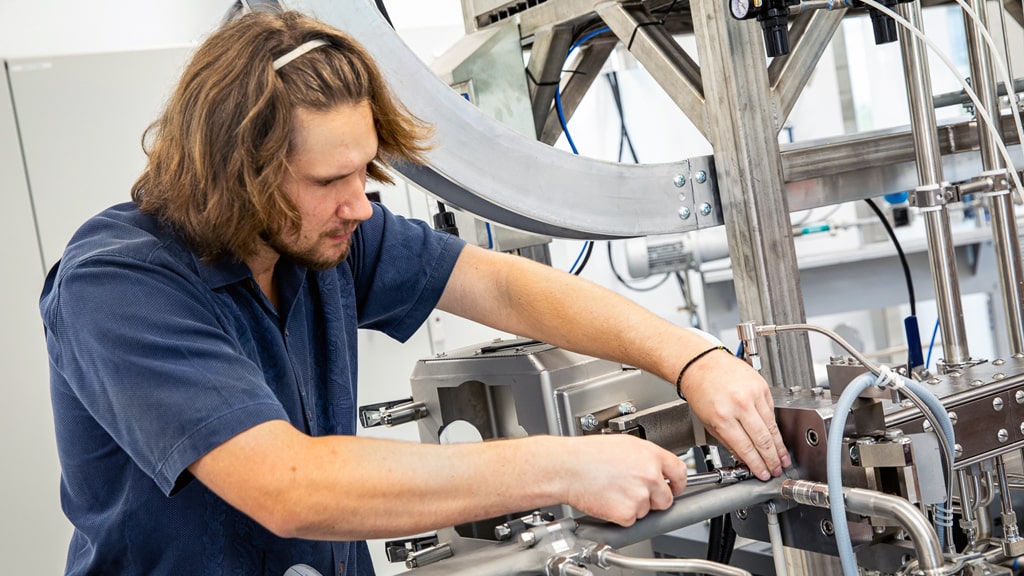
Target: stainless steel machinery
(915,475)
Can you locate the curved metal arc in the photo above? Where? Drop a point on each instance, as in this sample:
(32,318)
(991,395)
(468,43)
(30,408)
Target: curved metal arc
(491,170)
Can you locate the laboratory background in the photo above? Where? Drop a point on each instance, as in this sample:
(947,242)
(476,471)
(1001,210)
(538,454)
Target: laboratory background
(807,181)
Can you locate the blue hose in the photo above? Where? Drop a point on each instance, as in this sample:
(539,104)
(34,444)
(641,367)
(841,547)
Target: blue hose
(837,504)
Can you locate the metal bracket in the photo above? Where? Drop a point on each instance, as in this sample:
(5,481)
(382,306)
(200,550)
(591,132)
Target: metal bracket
(391,413)
(399,550)
(934,196)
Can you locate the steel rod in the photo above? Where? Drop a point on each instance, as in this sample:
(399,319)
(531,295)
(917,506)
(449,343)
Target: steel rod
(929,169)
(1004,225)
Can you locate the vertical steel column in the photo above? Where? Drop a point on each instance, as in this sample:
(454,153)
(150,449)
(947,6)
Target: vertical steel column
(742,130)
(929,170)
(1000,202)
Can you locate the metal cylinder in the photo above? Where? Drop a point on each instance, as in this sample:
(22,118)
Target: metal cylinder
(608,558)
(1004,225)
(929,170)
(926,542)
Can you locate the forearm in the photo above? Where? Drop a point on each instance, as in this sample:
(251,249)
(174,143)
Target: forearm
(347,488)
(537,301)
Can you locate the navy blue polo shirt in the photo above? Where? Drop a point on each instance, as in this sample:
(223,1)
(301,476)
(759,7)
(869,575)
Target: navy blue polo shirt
(157,357)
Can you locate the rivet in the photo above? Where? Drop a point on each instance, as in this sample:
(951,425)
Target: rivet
(679,180)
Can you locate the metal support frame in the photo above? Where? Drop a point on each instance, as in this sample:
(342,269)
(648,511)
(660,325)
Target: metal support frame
(749,172)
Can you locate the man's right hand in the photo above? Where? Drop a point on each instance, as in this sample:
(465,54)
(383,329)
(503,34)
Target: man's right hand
(620,478)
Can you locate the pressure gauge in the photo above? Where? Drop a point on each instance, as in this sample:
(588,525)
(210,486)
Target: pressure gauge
(740,8)
(744,9)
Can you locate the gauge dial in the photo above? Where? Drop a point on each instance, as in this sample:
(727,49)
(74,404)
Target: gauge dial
(740,8)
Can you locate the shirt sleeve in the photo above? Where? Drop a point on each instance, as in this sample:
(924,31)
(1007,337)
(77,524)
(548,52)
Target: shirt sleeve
(400,268)
(144,350)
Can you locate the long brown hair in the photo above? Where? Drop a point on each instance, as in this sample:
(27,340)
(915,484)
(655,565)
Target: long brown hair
(219,152)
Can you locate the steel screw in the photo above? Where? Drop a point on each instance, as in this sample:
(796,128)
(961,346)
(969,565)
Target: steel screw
(997,404)
(812,437)
(976,383)
(679,180)
(826,527)
(1019,396)
(684,213)
(998,362)
(741,513)
(589,422)
(998,376)
(879,529)
(926,426)
(1003,435)
(702,177)
(527,539)
(1022,427)
(958,450)
(627,408)
(705,209)
(934,381)
(953,418)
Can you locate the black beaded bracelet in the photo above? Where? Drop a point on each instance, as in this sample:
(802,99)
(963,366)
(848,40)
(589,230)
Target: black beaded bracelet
(679,379)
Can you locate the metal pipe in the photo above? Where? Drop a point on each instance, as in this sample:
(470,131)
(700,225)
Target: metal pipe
(775,537)
(968,521)
(691,507)
(870,503)
(607,558)
(1000,204)
(1011,533)
(929,170)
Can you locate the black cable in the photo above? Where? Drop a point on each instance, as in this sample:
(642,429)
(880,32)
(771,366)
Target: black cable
(622,280)
(899,250)
(384,12)
(660,22)
(586,258)
(624,138)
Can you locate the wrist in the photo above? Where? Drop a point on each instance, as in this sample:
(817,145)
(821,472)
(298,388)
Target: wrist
(689,365)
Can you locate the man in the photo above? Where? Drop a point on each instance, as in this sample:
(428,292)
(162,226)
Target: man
(202,338)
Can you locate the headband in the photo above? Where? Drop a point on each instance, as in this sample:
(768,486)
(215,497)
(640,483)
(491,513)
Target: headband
(299,51)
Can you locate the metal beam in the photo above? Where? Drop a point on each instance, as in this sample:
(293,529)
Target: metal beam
(750,182)
(789,74)
(544,71)
(663,58)
(587,69)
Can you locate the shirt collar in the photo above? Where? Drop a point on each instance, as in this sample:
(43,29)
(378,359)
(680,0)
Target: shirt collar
(222,272)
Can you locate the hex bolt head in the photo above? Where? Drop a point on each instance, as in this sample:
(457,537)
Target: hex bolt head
(627,408)
(588,422)
(705,209)
(679,180)
(684,213)
(701,177)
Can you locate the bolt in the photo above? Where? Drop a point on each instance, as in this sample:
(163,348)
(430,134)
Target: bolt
(1003,435)
(826,527)
(1018,355)
(998,376)
(997,404)
(817,391)
(702,177)
(879,529)
(934,381)
(502,532)
(741,513)
(588,422)
(527,539)
(1019,396)
(998,362)
(958,450)
(705,209)
(1022,427)
(627,408)
(976,383)
(812,437)
(679,180)
(927,426)
(953,418)
(955,374)
(684,213)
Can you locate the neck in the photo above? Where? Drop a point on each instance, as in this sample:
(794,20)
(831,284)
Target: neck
(262,266)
